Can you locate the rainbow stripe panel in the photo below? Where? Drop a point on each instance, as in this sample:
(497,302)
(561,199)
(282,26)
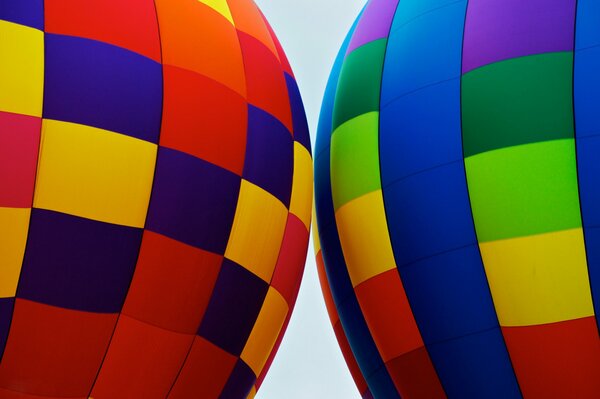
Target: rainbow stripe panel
(457,199)
(155,198)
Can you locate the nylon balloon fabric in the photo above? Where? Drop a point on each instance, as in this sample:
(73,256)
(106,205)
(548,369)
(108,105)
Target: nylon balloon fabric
(457,192)
(155,198)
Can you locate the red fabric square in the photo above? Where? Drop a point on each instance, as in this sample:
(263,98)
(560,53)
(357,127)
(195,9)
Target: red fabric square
(55,351)
(265,80)
(558,360)
(414,375)
(388,314)
(19,144)
(204,118)
(205,372)
(142,361)
(130,24)
(172,284)
(292,257)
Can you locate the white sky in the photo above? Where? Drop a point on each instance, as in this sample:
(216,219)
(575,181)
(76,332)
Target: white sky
(309,364)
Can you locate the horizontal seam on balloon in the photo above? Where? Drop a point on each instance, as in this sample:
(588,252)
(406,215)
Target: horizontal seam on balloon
(552,323)
(447,251)
(587,47)
(521,145)
(590,135)
(545,53)
(427,86)
(562,230)
(397,28)
(431,168)
(155,325)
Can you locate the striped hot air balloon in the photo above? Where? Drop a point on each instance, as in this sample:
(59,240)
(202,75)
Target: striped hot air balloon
(155,198)
(458,199)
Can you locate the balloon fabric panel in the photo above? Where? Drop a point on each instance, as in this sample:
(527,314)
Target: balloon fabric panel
(156,176)
(456,198)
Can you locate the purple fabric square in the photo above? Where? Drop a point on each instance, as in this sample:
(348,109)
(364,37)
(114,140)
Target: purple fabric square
(301,131)
(103,86)
(239,383)
(23,12)
(269,159)
(374,24)
(497,30)
(192,201)
(6,311)
(233,308)
(76,263)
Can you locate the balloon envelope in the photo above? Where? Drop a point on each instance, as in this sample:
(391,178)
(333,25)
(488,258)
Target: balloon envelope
(155,198)
(457,199)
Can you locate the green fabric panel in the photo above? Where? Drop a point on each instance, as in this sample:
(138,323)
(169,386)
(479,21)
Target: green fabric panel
(359,87)
(355,159)
(524,190)
(518,101)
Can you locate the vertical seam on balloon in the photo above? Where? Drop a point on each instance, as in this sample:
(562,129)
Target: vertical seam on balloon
(367,378)
(187,355)
(37,164)
(110,341)
(471,206)
(384,202)
(333,225)
(583,229)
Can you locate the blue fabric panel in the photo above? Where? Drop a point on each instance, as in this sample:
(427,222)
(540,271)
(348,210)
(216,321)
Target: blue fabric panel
(429,213)
(587,92)
(408,67)
(408,10)
(475,367)
(449,295)
(383,386)
(588,27)
(420,131)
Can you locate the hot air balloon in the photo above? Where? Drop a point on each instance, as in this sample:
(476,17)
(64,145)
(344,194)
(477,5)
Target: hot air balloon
(458,201)
(155,198)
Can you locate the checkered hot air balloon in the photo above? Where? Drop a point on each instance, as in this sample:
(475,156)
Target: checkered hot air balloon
(458,199)
(155,198)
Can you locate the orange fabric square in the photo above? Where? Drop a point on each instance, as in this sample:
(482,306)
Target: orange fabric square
(204,118)
(558,360)
(186,43)
(142,361)
(172,284)
(248,19)
(55,351)
(265,80)
(205,372)
(414,375)
(129,24)
(388,314)
(19,143)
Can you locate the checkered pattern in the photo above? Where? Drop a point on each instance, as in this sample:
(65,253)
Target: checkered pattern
(457,199)
(155,198)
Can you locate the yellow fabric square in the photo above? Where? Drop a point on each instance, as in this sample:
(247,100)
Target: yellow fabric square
(257,231)
(14,225)
(315,232)
(301,202)
(219,6)
(265,331)
(21,69)
(363,231)
(539,279)
(252,393)
(94,173)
